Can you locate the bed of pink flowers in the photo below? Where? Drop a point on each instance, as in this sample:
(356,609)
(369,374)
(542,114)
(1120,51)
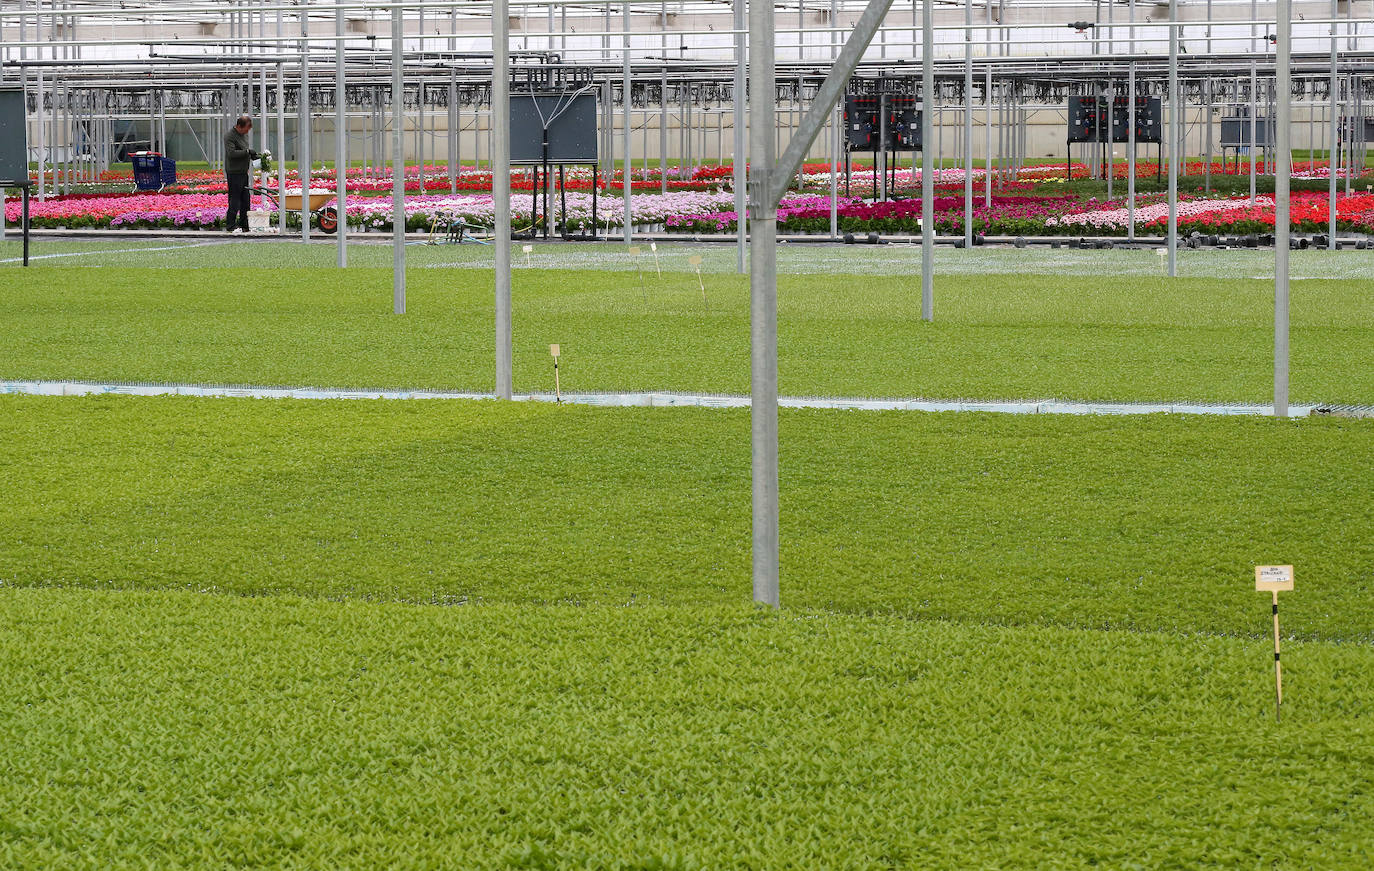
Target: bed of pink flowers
(139,211)
(425,212)
(1115,219)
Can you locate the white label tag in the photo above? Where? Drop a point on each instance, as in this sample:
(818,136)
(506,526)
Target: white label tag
(1273,577)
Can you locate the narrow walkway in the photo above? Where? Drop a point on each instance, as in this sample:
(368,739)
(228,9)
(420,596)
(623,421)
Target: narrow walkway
(680,400)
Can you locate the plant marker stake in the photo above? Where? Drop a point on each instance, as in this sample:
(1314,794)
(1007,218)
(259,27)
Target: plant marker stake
(634,252)
(1274,579)
(1162,252)
(653,246)
(695,260)
(527,249)
(557,387)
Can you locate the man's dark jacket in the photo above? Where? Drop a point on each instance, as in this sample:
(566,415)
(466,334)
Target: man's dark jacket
(236,153)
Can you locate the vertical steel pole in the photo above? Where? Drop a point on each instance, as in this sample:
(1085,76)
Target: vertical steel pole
(763,307)
(500,189)
(1130,146)
(836,133)
(1109,95)
(1207,84)
(741,144)
(42,128)
(420,121)
(1175,109)
(663,125)
(281,132)
(1254,111)
(455,113)
(627,74)
(1282,155)
(987,101)
(340,140)
(927,164)
(987,135)
(398,162)
(307,123)
(454,125)
(1333,153)
(264,136)
(968,124)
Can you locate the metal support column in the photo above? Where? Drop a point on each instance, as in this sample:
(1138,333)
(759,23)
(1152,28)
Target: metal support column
(1254,110)
(968,124)
(1175,109)
(500,190)
(1333,153)
(1283,155)
(398,163)
(767,184)
(628,75)
(741,158)
(281,133)
(305,125)
(763,306)
(340,140)
(1130,150)
(927,164)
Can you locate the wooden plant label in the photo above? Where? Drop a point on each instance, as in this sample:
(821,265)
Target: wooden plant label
(553,351)
(1273,578)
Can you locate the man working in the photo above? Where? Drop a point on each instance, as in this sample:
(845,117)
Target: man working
(237,159)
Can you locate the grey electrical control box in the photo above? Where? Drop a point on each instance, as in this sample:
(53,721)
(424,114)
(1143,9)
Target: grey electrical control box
(14,141)
(569,120)
(1235,131)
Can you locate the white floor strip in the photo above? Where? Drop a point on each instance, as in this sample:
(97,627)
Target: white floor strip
(654,400)
(33,257)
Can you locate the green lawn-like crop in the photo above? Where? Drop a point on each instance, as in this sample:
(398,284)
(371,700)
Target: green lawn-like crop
(175,730)
(1148,523)
(1075,336)
(1024,642)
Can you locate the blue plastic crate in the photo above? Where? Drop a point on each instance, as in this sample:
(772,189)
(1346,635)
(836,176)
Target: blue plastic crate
(152,171)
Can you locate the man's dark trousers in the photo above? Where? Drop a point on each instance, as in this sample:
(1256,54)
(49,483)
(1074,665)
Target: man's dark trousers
(240,201)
